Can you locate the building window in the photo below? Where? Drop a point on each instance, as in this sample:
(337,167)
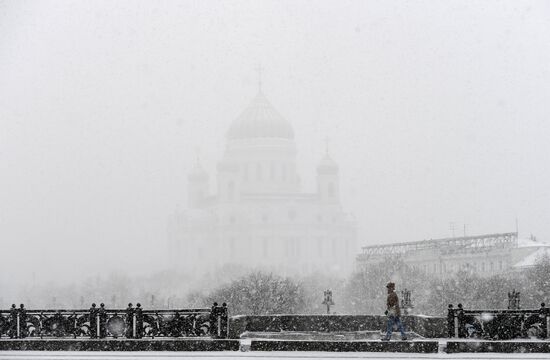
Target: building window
(492,266)
(483,267)
(259,172)
(500,265)
(292,214)
(245,172)
(230,190)
(331,190)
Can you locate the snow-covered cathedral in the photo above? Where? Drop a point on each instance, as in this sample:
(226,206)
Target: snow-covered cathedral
(259,215)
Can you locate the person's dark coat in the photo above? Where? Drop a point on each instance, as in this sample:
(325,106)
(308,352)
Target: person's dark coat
(393,304)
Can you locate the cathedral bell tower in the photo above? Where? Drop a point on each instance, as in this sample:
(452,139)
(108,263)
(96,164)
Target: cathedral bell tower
(328,181)
(197,186)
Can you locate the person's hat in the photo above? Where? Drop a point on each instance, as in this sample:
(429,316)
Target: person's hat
(102,304)
(390,285)
(129,304)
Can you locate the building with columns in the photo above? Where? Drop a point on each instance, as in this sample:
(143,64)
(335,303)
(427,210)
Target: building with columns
(259,216)
(485,255)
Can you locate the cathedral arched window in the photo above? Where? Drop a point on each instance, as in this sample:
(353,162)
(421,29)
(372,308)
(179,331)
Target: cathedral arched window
(245,172)
(259,174)
(292,214)
(272,171)
(230,190)
(331,190)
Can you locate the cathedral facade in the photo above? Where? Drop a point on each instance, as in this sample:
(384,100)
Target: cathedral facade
(259,216)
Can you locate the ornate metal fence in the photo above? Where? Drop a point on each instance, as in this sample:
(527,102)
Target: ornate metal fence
(120,323)
(498,324)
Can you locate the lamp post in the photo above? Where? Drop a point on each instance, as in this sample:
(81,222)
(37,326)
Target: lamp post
(328,300)
(406,302)
(513,300)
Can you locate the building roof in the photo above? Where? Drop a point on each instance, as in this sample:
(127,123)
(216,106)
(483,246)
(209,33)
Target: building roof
(531,242)
(531,259)
(260,120)
(447,244)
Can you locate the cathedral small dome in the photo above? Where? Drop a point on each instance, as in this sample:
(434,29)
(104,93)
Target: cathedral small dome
(327,165)
(260,120)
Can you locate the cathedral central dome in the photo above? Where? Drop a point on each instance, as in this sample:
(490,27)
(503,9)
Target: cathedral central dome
(260,120)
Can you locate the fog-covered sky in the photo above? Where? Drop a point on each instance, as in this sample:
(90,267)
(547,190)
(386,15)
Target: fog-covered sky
(437,112)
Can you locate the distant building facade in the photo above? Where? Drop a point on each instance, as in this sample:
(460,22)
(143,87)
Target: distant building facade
(484,255)
(259,216)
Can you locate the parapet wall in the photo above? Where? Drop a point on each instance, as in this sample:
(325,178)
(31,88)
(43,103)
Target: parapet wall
(426,326)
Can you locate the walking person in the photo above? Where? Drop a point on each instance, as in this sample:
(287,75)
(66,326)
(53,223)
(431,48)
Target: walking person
(393,312)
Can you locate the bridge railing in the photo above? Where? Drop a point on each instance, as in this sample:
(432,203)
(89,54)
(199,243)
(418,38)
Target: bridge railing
(498,324)
(114,323)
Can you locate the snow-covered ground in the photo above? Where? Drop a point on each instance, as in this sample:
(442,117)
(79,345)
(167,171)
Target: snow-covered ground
(69,355)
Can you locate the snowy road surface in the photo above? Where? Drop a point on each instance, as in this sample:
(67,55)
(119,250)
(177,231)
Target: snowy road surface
(69,355)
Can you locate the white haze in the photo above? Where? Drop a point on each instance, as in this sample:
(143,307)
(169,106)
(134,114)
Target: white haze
(437,112)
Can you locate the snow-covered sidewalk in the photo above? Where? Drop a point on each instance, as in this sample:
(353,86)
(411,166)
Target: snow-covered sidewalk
(68,355)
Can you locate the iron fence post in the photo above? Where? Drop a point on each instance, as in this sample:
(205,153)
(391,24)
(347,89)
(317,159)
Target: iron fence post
(40,325)
(75,329)
(450,321)
(547,316)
